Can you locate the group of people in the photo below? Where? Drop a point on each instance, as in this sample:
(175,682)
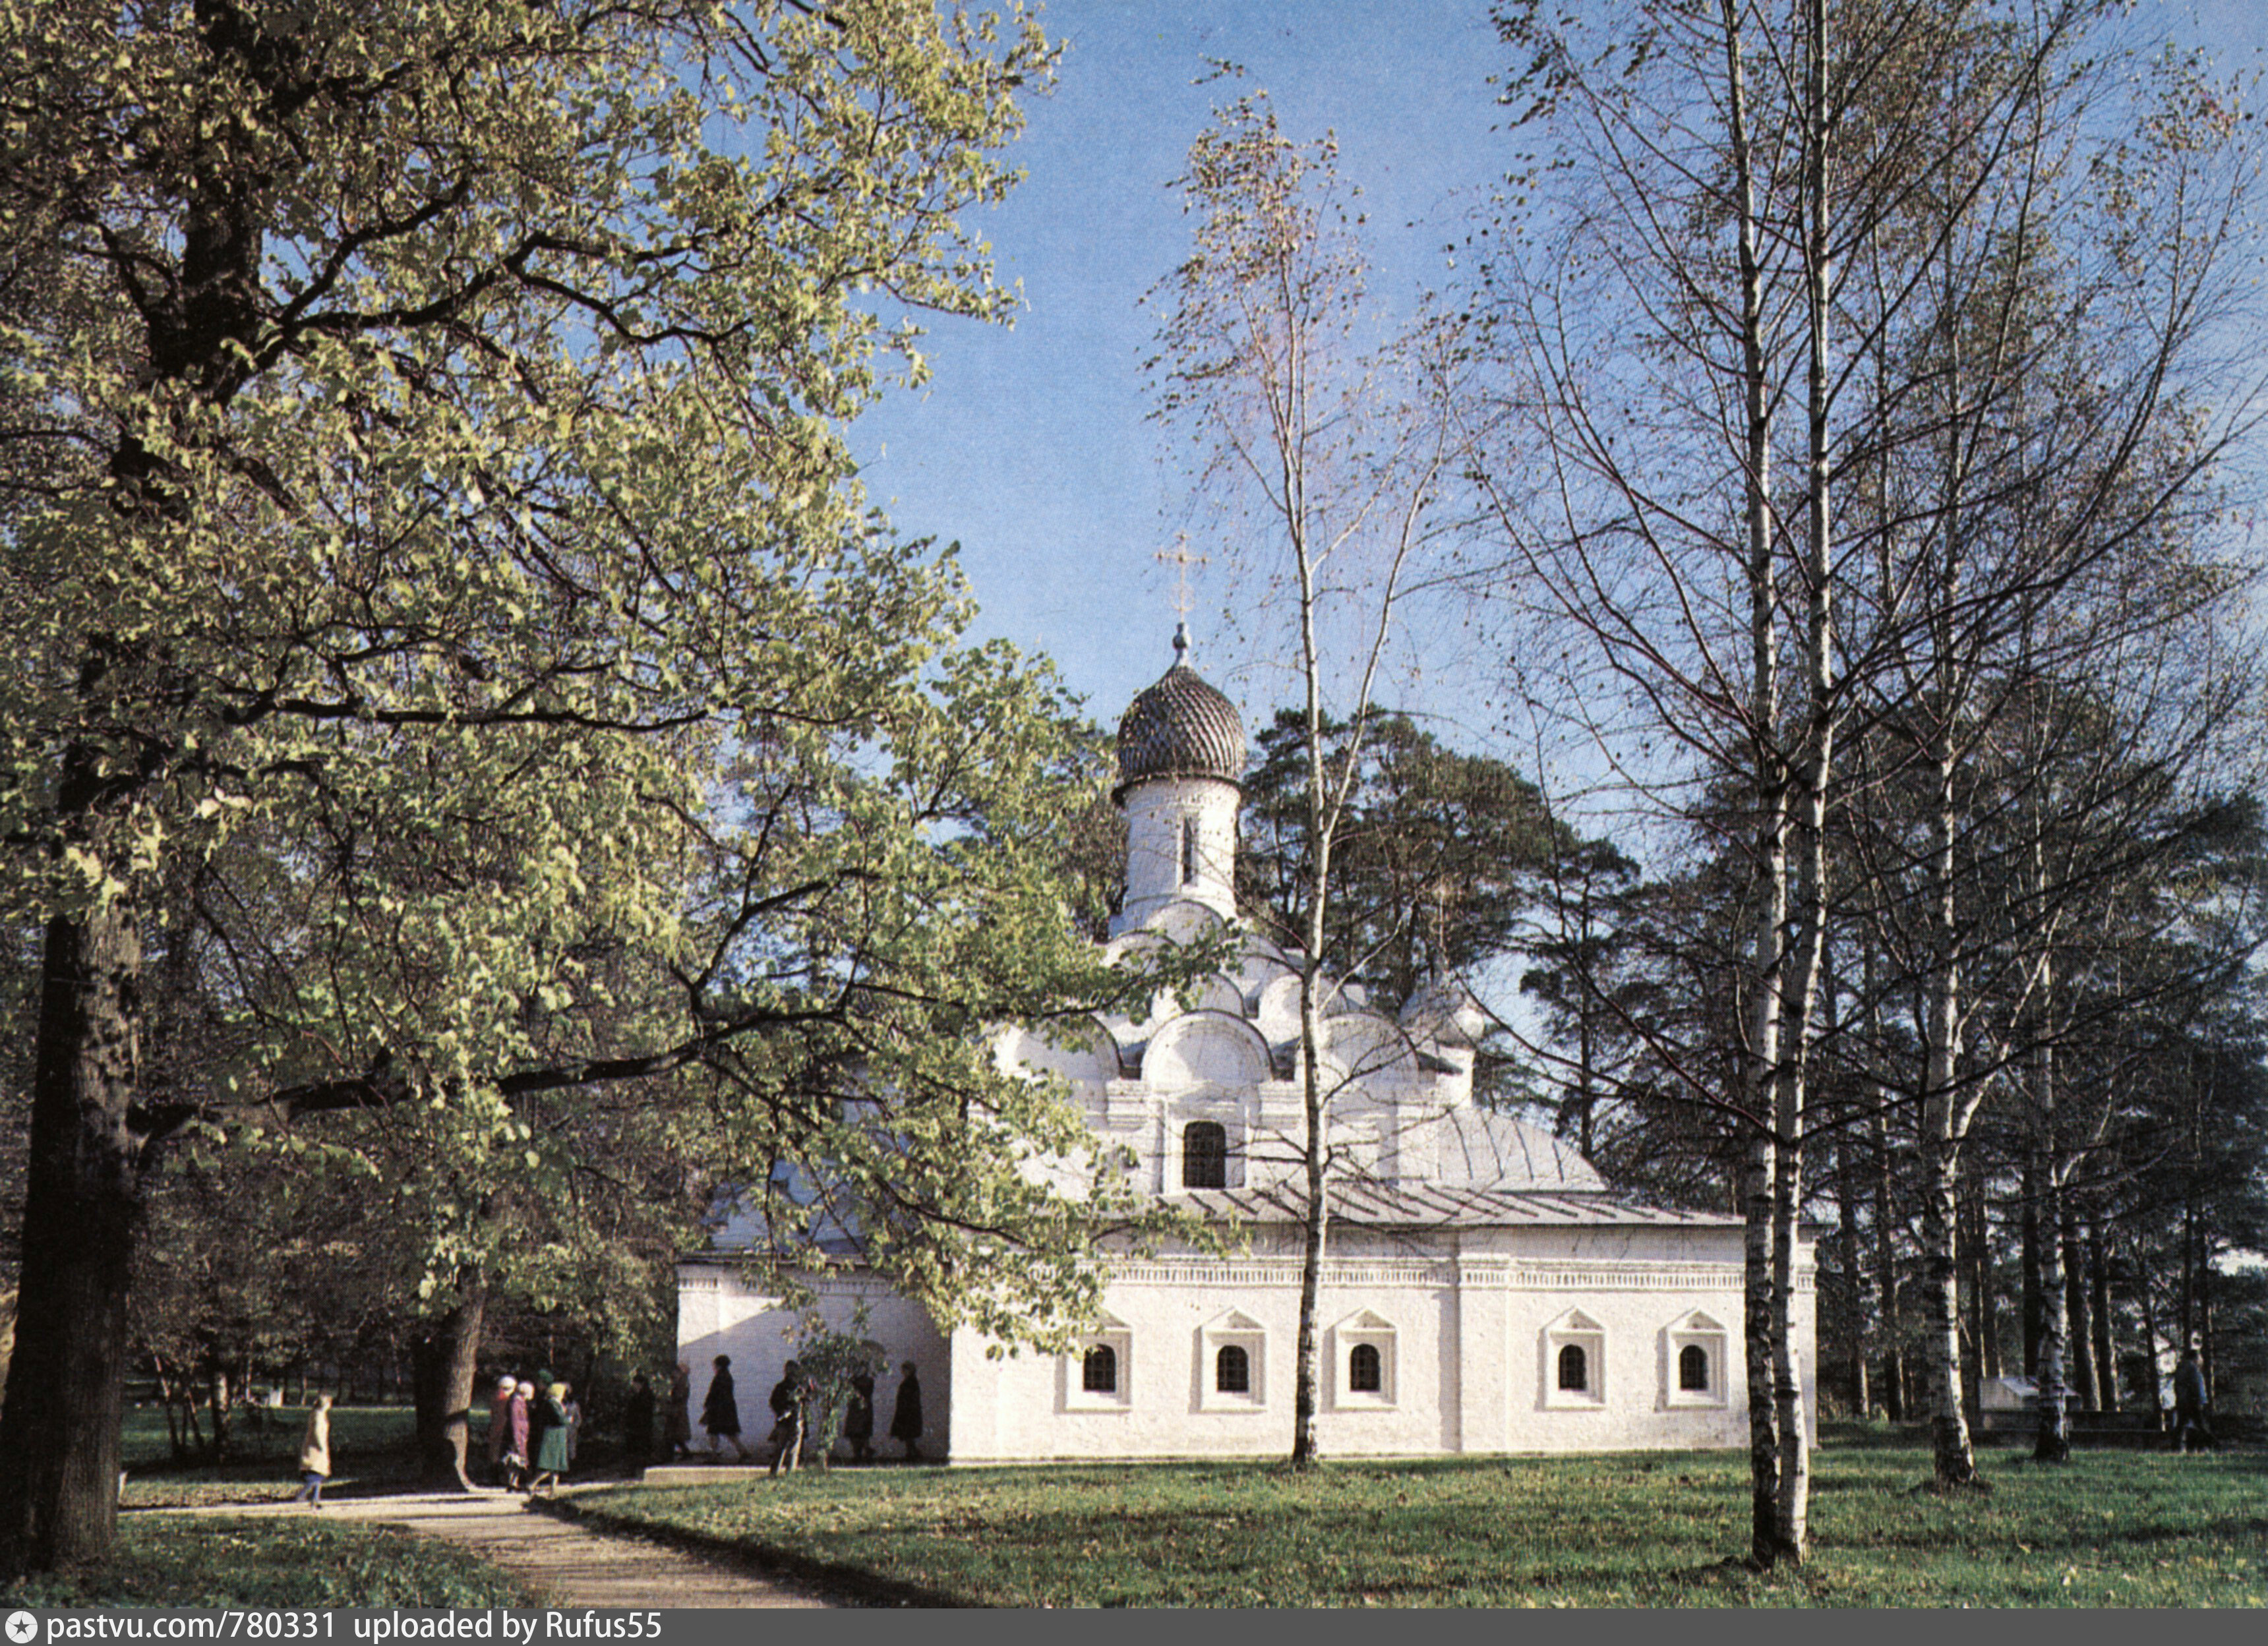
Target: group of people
(534,1427)
(535,1423)
(793,1400)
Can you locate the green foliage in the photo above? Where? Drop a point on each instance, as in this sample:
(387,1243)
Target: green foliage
(482,682)
(1631,1531)
(830,1360)
(180,1561)
(1437,859)
(454,697)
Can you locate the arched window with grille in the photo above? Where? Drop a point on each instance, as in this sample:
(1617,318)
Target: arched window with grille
(1205,1155)
(1231,1369)
(1572,1368)
(1365,1371)
(1695,1362)
(1189,851)
(1098,1372)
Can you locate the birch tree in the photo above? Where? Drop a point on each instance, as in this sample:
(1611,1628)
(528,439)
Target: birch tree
(1326,460)
(2044,484)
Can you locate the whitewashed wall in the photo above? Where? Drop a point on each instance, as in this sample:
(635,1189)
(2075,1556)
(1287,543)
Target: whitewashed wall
(1470,1339)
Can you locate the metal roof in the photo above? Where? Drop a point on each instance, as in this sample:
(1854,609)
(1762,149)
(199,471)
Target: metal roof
(1418,1205)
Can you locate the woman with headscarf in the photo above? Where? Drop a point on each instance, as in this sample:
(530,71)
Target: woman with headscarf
(500,1428)
(550,1459)
(521,1416)
(315,1454)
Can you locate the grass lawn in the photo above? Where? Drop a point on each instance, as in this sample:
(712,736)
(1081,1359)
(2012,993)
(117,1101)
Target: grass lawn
(2111,1530)
(209,1560)
(371,1446)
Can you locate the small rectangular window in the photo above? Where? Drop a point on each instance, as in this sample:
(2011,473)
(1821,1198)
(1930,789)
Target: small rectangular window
(1205,1155)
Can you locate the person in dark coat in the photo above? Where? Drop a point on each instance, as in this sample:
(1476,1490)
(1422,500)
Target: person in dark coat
(788,1398)
(721,1413)
(858,1421)
(519,1417)
(637,1423)
(677,1419)
(551,1460)
(539,1424)
(906,1421)
(2189,1403)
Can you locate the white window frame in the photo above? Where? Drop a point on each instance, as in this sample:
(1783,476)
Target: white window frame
(1578,1330)
(1695,1330)
(1365,1325)
(1242,1331)
(1113,1334)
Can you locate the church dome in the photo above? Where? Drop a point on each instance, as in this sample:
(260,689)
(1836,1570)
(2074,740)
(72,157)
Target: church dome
(1180,727)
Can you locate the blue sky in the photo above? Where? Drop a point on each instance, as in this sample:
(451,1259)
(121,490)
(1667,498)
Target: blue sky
(1032,447)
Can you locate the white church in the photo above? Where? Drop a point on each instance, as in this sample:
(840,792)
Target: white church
(1482,1290)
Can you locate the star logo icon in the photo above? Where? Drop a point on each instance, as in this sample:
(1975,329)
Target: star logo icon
(23,1627)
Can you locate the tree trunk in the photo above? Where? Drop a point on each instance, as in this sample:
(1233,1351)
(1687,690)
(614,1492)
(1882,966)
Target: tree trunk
(1855,1268)
(1306,1392)
(2106,1339)
(59,1444)
(223,1411)
(173,1418)
(1953,1457)
(1886,1272)
(2032,1265)
(1768,794)
(1988,1292)
(2185,1318)
(2053,1443)
(1943,1127)
(2142,1290)
(1756,1323)
(1972,1254)
(2078,1315)
(445,1360)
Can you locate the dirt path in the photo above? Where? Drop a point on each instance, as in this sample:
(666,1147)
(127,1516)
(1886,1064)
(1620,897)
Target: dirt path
(568,1566)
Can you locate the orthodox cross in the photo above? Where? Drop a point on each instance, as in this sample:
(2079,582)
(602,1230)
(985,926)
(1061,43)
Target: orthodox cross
(1179,558)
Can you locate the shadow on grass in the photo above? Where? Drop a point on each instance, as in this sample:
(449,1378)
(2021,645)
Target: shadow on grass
(844,1584)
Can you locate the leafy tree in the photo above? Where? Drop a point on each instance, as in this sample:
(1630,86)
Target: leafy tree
(422,508)
(1438,857)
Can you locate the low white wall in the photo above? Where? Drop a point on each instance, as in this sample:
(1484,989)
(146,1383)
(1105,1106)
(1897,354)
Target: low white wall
(718,1313)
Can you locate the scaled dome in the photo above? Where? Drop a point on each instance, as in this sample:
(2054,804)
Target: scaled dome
(1180,727)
